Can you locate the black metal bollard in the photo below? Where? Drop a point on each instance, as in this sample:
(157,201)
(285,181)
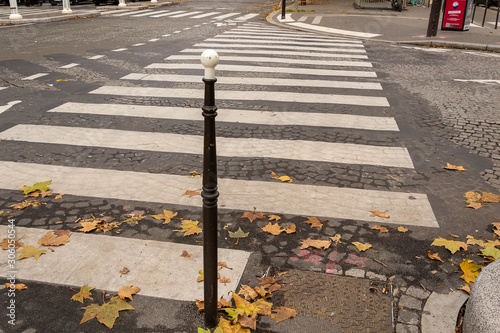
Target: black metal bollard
(283,9)
(432,26)
(209,193)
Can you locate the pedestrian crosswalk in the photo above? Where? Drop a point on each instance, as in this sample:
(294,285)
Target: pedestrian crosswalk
(334,71)
(175,14)
(5,11)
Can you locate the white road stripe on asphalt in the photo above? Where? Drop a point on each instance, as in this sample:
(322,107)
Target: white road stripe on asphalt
(279,47)
(286,42)
(246,17)
(168,14)
(317,20)
(220,17)
(256,81)
(156,267)
(334,31)
(292,53)
(235,116)
(268,196)
(132,12)
(35,76)
(205,15)
(269,70)
(148,12)
(230,34)
(99,56)
(252,96)
(69,65)
(301,150)
(285,34)
(185,14)
(259,60)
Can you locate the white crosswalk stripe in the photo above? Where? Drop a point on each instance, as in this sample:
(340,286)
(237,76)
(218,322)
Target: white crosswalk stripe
(168,14)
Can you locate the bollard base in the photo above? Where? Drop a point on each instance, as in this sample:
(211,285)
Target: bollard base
(67,11)
(15,16)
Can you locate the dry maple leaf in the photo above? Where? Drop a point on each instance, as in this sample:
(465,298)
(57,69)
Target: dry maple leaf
(224,304)
(402,229)
(17,286)
(314,222)
(248,322)
(490,252)
(195,174)
(472,196)
(167,216)
(7,241)
(290,229)
(318,244)
(451,245)
(59,196)
(106,313)
(128,291)
(189,227)
(200,305)
(41,186)
(88,226)
(185,254)
(273,229)
(248,292)
(30,251)
(265,307)
(454,167)
(84,293)
(472,241)
(378,213)
(224,280)
(274,217)
(471,270)
(226,327)
(253,216)
(240,303)
(55,238)
(475,205)
(238,234)
(281,313)
(191,193)
(434,256)
(223,264)
(24,204)
(362,246)
(285,179)
(466,288)
(490,197)
(380,229)
(336,238)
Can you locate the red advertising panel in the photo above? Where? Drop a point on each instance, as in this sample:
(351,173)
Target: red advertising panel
(454,14)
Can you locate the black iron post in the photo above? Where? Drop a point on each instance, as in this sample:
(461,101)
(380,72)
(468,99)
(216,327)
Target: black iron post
(283,9)
(209,192)
(432,28)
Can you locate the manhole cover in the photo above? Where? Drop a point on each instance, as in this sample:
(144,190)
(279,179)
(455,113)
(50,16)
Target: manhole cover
(351,304)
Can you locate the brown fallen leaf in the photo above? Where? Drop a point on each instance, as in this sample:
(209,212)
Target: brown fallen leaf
(223,264)
(472,196)
(454,167)
(273,229)
(55,238)
(59,196)
(362,246)
(475,205)
(7,241)
(380,229)
(185,254)
(290,229)
(316,243)
(17,286)
(84,293)
(224,280)
(402,229)
(434,256)
(265,307)
(191,193)
(224,304)
(490,198)
(282,313)
(253,216)
(248,292)
(125,270)
(315,222)
(167,216)
(274,217)
(466,288)
(30,251)
(24,204)
(378,213)
(128,291)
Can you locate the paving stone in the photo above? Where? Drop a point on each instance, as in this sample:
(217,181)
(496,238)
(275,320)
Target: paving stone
(355,272)
(408,317)
(403,328)
(375,276)
(269,249)
(410,302)
(417,292)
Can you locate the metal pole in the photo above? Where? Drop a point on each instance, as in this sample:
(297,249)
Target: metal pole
(14,11)
(485,11)
(209,193)
(283,9)
(498,12)
(434,18)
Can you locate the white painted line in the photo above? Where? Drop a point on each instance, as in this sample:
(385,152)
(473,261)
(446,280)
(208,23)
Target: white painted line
(139,44)
(288,18)
(205,15)
(479,81)
(176,32)
(35,76)
(230,34)
(246,17)
(286,42)
(184,14)
(276,197)
(2,88)
(155,267)
(120,50)
(317,20)
(291,53)
(4,108)
(301,19)
(132,12)
(334,31)
(69,65)
(188,28)
(99,56)
(167,35)
(168,14)
(269,70)
(257,81)
(235,116)
(280,60)
(148,12)
(330,152)
(154,40)
(225,16)
(279,47)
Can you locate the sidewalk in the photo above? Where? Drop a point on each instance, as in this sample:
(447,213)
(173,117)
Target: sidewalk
(339,17)
(55,16)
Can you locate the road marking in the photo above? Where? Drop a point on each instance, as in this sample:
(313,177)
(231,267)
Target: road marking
(168,14)
(283,33)
(35,76)
(167,35)
(1,88)
(479,81)
(154,40)
(301,150)
(302,18)
(288,18)
(120,50)
(246,17)
(69,66)
(143,13)
(99,56)
(276,197)
(184,14)
(286,42)
(269,70)
(205,15)
(139,44)
(235,116)
(279,47)
(280,60)
(230,34)
(157,267)
(132,12)
(257,81)
(317,20)
(334,31)
(220,17)
(291,53)
(4,108)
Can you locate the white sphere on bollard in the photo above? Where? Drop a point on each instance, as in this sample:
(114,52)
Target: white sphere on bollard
(209,59)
